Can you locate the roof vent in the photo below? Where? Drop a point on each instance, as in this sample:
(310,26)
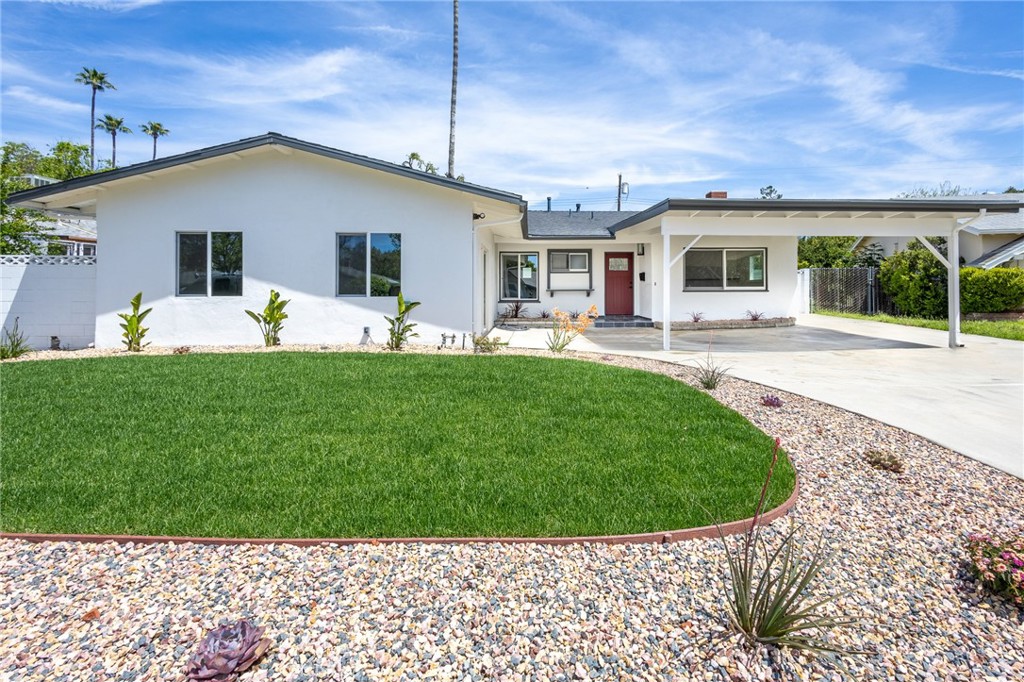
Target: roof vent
(717,194)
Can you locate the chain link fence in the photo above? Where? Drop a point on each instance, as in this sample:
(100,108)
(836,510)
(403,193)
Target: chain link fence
(848,290)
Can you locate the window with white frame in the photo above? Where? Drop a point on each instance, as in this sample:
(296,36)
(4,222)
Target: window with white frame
(568,261)
(373,271)
(209,263)
(519,276)
(725,269)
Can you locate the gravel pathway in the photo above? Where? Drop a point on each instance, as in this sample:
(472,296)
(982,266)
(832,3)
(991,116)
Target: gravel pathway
(525,612)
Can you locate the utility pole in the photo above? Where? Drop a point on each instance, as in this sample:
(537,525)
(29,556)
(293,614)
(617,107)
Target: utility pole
(618,194)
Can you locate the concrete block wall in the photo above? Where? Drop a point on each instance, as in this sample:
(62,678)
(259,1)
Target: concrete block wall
(50,296)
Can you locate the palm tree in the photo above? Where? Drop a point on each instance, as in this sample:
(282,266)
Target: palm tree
(455,78)
(97,80)
(154,130)
(113,125)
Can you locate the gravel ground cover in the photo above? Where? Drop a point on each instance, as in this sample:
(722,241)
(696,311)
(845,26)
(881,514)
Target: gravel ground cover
(525,612)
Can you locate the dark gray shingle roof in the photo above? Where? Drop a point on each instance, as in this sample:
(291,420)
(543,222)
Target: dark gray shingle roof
(574,224)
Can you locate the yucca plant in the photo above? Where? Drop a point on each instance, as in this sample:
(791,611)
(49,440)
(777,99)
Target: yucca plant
(271,320)
(227,651)
(13,344)
(400,330)
(770,589)
(134,332)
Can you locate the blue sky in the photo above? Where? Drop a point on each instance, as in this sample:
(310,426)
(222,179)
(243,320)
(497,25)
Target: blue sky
(555,99)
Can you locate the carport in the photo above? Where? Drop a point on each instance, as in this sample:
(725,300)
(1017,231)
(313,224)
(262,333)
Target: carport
(675,226)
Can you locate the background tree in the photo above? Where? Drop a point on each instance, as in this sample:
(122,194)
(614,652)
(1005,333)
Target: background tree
(97,80)
(825,252)
(66,160)
(416,162)
(20,229)
(943,189)
(113,125)
(455,80)
(770,192)
(1013,190)
(154,130)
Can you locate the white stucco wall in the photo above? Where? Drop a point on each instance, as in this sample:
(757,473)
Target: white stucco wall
(50,297)
(573,300)
(781,299)
(289,208)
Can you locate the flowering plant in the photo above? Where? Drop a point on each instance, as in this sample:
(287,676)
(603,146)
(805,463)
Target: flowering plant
(565,327)
(999,564)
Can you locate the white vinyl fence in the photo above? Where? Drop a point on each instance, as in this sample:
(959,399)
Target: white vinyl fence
(52,297)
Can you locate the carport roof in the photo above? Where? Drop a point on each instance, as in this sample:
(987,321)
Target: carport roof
(821,208)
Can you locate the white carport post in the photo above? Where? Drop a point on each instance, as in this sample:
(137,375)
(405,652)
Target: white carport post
(667,261)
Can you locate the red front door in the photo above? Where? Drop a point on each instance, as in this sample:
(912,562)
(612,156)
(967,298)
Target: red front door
(618,283)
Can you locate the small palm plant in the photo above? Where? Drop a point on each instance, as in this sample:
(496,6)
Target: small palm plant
(400,330)
(134,332)
(271,320)
(769,599)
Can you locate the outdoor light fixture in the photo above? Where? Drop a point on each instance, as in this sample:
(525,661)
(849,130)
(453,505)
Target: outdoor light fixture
(479,216)
(639,249)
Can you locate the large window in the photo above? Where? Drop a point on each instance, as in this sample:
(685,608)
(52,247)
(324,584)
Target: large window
(722,269)
(376,271)
(519,276)
(209,263)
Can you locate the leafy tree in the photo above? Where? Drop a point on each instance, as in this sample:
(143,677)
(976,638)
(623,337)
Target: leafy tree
(113,125)
(455,79)
(97,80)
(66,160)
(20,229)
(825,252)
(916,282)
(154,130)
(770,192)
(1013,190)
(416,162)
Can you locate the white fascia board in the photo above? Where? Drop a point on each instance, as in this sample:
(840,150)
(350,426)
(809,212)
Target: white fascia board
(804,227)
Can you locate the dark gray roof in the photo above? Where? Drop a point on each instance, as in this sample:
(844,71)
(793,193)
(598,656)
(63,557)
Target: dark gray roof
(250,143)
(574,224)
(1011,251)
(998,223)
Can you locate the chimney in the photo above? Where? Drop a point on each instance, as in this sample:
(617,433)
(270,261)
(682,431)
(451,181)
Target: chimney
(549,204)
(577,208)
(717,194)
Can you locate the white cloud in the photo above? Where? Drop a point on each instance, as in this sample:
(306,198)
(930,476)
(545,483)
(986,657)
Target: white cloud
(36,100)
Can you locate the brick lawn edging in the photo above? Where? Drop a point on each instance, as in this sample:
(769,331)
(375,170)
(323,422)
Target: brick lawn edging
(662,537)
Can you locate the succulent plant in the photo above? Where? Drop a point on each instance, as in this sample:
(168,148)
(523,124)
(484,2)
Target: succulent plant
(771,400)
(227,651)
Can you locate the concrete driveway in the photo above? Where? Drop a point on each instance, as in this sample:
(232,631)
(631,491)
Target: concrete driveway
(970,399)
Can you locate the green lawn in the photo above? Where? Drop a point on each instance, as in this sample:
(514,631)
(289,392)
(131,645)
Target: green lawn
(368,445)
(1002,329)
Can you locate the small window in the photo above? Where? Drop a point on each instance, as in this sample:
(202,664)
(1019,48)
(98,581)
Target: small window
(519,276)
(721,269)
(210,264)
(569,261)
(376,271)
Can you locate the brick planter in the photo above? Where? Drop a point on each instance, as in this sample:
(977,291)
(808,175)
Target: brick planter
(678,325)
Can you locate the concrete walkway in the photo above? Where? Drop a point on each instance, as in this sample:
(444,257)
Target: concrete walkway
(970,399)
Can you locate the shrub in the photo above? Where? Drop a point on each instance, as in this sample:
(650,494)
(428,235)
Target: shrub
(696,317)
(400,330)
(769,598)
(514,309)
(13,344)
(485,344)
(755,315)
(771,400)
(567,327)
(709,373)
(916,282)
(134,332)
(271,320)
(998,565)
(885,461)
(545,314)
(991,291)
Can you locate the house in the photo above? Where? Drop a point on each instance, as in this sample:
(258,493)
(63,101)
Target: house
(207,234)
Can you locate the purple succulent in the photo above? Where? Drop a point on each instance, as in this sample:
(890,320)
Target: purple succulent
(771,400)
(227,651)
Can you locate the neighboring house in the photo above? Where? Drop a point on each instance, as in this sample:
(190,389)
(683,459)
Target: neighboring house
(991,241)
(72,236)
(207,234)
